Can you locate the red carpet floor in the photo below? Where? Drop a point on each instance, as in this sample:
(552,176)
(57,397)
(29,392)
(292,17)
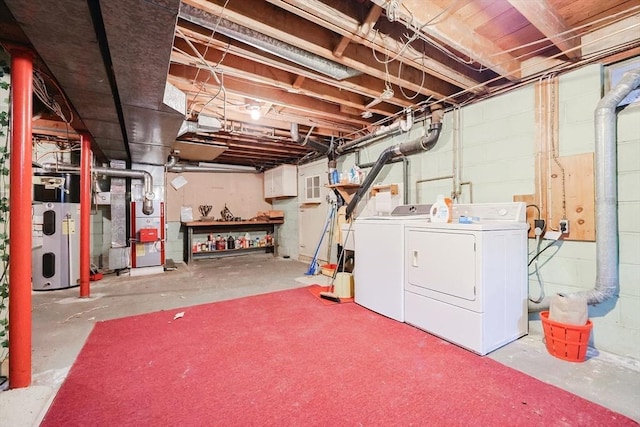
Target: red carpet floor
(285,359)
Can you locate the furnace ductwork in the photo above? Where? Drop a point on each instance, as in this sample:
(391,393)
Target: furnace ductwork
(147,203)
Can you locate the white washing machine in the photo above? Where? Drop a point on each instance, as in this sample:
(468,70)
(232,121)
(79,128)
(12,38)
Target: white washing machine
(467,283)
(380,259)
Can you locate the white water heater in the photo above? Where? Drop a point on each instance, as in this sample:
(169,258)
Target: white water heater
(56,232)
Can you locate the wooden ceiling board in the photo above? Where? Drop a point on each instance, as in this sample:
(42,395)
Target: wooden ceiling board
(503,25)
(577,13)
(544,47)
(356,34)
(478,13)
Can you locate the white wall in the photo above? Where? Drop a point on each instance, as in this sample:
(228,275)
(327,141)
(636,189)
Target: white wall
(312,217)
(242,193)
(497,139)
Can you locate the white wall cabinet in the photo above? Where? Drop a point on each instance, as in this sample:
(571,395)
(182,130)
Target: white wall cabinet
(281,181)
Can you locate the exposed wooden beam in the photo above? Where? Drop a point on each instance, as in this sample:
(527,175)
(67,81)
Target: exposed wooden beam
(54,128)
(274,95)
(263,74)
(364,29)
(318,40)
(297,84)
(443,25)
(341,46)
(544,17)
(364,85)
(316,11)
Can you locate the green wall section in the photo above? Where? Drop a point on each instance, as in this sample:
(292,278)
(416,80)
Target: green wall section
(497,139)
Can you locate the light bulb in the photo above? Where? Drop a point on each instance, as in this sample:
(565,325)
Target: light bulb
(255,113)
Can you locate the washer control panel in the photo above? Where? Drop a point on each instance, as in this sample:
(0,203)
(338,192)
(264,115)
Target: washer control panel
(485,212)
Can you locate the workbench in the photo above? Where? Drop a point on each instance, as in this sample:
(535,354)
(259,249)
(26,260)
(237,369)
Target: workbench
(197,232)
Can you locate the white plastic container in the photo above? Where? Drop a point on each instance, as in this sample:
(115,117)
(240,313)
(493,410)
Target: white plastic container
(441,210)
(343,286)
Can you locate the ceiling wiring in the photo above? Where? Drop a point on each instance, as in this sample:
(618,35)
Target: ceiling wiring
(418,92)
(40,90)
(548,40)
(559,68)
(213,32)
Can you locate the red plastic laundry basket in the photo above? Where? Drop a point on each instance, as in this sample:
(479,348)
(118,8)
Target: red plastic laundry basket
(567,342)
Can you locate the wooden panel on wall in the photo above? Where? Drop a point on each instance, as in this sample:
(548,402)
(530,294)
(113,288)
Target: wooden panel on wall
(579,196)
(564,185)
(241,192)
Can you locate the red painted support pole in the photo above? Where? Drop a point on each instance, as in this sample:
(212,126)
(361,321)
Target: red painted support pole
(20,219)
(85,212)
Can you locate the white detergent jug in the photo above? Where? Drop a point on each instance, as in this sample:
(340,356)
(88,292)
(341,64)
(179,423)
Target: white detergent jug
(441,210)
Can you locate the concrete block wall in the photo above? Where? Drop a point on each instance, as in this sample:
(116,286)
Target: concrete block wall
(287,233)
(623,329)
(99,236)
(174,245)
(497,137)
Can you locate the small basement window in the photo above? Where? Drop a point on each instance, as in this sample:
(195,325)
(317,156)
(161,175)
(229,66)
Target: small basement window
(312,189)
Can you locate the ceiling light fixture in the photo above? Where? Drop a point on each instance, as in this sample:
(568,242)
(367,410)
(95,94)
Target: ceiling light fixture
(254,111)
(386,94)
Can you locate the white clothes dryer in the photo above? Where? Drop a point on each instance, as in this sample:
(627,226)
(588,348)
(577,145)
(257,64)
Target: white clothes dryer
(467,283)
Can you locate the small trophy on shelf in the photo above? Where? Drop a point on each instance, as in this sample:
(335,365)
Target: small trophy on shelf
(204,210)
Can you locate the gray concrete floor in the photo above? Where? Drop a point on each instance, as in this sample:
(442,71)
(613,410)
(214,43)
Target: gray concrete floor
(62,322)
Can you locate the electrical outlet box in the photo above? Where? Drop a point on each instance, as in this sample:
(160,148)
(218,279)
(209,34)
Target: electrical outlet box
(564,226)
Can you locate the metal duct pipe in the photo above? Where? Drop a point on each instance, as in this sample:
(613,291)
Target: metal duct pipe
(187,127)
(193,168)
(266,43)
(147,204)
(381,132)
(425,143)
(402,125)
(607,274)
(318,146)
(171,163)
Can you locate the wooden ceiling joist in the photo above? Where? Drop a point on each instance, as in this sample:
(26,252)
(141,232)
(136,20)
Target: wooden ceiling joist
(542,15)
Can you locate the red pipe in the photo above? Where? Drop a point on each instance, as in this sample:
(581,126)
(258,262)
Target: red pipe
(85,212)
(20,219)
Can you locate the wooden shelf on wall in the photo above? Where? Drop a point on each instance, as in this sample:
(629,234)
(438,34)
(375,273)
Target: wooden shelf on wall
(392,188)
(345,190)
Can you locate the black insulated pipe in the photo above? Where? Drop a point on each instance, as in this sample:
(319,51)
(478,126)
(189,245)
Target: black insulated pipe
(318,146)
(425,143)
